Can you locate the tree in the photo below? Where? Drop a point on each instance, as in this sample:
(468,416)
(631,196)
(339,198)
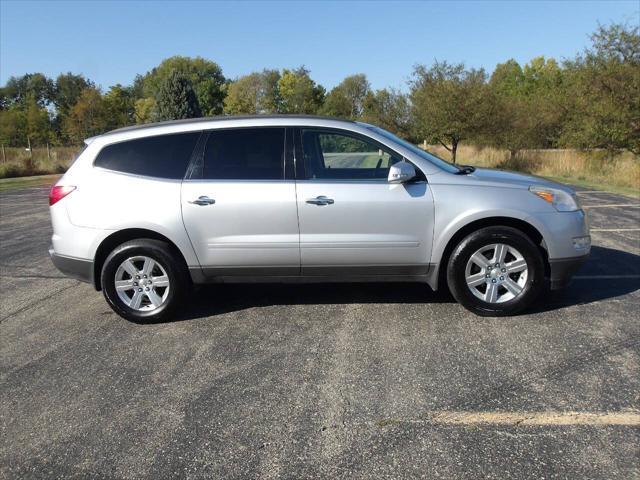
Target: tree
(390,110)
(253,94)
(68,88)
(119,106)
(12,127)
(450,104)
(205,77)
(604,105)
(176,98)
(347,99)
(144,110)
(88,117)
(529,105)
(18,90)
(299,93)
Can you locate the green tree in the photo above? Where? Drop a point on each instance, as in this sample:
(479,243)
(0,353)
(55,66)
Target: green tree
(88,117)
(12,127)
(299,93)
(18,90)
(604,105)
(389,109)
(68,88)
(256,93)
(176,99)
(529,105)
(205,76)
(120,106)
(450,104)
(346,100)
(144,110)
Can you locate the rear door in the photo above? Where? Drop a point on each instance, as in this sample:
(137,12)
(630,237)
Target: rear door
(352,221)
(238,207)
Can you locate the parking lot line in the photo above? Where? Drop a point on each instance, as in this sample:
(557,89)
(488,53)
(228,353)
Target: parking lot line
(615,229)
(629,418)
(604,277)
(636,205)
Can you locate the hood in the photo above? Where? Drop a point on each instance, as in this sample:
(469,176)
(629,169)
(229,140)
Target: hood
(490,176)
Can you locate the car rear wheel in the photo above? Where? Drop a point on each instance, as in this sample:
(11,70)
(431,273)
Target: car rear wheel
(143,281)
(496,271)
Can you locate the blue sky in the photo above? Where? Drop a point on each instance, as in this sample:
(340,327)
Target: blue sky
(110,42)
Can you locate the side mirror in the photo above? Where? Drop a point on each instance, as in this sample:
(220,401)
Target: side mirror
(401,172)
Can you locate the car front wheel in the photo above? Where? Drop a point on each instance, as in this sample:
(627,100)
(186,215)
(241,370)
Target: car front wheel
(143,281)
(496,271)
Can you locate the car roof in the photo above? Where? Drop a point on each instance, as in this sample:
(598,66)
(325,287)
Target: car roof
(191,124)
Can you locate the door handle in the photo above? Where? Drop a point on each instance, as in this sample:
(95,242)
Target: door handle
(203,200)
(321,200)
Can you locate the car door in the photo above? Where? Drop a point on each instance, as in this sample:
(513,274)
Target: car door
(238,208)
(352,220)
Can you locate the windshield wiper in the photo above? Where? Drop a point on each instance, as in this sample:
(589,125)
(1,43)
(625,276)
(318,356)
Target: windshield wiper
(465,169)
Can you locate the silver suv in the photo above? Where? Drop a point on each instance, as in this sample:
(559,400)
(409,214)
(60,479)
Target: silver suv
(147,211)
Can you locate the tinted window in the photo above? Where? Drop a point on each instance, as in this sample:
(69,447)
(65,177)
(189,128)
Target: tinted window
(341,156)
(164,156)
(245,154)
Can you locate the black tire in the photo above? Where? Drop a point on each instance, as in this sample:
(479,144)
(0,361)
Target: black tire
(164,255)
(487,236)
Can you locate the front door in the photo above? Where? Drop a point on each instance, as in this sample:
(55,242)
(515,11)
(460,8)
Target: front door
(352,221)
(238,208)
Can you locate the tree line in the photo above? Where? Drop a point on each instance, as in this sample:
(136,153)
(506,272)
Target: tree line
(590,101)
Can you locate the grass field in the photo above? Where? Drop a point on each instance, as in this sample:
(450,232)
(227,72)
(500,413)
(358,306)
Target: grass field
(619,173)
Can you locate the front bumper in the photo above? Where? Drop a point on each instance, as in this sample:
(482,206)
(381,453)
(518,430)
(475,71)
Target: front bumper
(562,270)
(77,268)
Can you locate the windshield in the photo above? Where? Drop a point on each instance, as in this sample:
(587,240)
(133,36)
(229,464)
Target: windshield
(439,162)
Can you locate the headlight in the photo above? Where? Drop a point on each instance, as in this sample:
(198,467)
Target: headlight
(561,200)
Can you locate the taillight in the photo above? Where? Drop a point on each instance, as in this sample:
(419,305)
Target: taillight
(58,192)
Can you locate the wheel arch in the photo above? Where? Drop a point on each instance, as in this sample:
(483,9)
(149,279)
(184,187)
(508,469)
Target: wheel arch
(121,236)
(437,276)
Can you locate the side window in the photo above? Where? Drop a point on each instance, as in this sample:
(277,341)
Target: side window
(163,156)
(330,155)
(245,154)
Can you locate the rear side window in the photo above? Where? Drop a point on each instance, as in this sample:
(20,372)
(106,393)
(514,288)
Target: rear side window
(245,154)
(164,156)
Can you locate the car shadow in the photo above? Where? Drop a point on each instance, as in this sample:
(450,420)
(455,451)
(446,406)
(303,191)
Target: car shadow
(216,299)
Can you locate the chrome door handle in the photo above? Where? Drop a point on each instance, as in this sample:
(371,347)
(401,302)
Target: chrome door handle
(320,200)
(203,200)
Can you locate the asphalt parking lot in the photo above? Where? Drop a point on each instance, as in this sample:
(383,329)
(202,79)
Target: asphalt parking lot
(320,381)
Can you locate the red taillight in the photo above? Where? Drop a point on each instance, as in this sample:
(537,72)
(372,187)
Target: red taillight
(58,192)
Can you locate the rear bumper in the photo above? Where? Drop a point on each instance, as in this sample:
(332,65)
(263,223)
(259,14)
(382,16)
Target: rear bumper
(562,270)
(77,268)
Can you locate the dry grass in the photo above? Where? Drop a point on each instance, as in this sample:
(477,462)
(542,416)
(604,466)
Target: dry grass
(594,168)
(15,162)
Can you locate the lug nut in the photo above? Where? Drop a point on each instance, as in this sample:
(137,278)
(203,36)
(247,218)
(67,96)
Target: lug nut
(135,284)
(504,270)
(147,289)
(501,278)
(141,289)
(137,277)
(493,281)
(487,276)
(144,276)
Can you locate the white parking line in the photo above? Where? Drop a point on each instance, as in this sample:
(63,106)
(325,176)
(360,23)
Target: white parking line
(604,277)
(636,205)
(630,418)
(615,229)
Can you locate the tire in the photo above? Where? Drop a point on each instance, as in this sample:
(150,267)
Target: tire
(486,289)
(141,299)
